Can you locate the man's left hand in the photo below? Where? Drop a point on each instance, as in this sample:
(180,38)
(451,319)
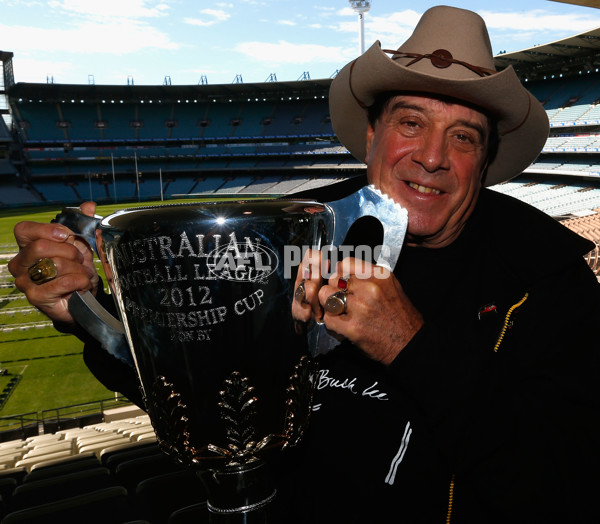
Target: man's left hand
(379,318)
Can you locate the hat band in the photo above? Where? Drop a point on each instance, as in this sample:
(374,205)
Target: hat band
(441,59)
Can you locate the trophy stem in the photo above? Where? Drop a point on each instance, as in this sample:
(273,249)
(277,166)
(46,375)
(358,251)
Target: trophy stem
(239,494)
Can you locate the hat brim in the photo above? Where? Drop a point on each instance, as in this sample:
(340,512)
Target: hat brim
(522,120)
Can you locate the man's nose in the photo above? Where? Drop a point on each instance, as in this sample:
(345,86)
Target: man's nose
(432,152)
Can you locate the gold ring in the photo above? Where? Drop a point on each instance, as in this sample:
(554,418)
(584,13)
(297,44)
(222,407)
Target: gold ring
(336,304)
(42,271)
(300,292)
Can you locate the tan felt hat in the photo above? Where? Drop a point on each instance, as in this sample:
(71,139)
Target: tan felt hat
(449,54)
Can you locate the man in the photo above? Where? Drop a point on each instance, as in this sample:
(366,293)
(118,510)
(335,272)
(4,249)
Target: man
(466,388)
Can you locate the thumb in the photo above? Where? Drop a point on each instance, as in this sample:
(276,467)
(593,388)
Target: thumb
(88,208)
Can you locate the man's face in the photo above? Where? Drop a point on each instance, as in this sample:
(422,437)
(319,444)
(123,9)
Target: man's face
(429,156)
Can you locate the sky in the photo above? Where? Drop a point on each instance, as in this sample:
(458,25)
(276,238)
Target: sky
(186,42)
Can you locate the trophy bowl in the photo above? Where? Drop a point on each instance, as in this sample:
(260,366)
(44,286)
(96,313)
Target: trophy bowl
(204,294)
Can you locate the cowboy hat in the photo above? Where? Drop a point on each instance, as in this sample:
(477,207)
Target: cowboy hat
(448,54)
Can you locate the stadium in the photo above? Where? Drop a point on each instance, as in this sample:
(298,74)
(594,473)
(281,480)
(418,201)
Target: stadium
(120,145)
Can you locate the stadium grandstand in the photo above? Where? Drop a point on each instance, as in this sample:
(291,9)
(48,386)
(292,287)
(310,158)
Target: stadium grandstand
(64,143)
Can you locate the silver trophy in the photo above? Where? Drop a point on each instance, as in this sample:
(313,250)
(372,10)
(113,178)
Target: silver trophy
(203,293)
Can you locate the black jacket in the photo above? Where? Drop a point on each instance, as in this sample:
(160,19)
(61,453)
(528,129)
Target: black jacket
(491,413)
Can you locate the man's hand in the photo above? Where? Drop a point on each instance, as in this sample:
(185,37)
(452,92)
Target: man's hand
(73,259)
(309,276)
(379,317)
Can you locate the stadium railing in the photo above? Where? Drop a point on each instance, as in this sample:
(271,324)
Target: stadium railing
(52,420)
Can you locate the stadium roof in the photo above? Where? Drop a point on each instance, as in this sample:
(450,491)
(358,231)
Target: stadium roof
(301,89)
(586,3)
(569,57)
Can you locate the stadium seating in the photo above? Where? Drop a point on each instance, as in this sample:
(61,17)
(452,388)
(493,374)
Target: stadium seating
(74,147)
(589,227)
(129,482)
(552,197)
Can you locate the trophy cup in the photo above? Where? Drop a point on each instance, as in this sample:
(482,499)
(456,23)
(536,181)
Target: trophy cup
(204,294)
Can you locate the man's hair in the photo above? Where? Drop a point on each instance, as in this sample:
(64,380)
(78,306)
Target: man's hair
(382,101)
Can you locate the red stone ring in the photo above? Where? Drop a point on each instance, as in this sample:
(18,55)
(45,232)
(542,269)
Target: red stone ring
(343,283)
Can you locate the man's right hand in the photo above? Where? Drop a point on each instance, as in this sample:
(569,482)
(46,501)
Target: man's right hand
(72,256)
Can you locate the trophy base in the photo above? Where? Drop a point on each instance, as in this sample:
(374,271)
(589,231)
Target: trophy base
(239,494)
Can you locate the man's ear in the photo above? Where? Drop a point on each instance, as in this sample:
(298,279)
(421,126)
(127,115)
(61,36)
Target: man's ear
(369,142)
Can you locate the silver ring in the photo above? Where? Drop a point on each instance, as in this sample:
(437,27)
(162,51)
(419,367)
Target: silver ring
(336,304)
(300,292)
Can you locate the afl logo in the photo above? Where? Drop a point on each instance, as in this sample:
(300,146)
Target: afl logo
(242,262)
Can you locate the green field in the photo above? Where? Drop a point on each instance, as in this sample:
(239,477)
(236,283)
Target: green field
(48,365)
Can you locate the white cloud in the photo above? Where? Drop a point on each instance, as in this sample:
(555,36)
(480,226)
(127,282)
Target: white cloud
(286,22)
(212,16)
(113,27)
(113,37)
(284,52)
(38,71)
(219,14)
(345,11)
(111,8)
(391,30)
(539,21)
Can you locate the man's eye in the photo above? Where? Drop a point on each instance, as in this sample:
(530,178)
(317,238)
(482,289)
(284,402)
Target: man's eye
(464,138)
(410,123)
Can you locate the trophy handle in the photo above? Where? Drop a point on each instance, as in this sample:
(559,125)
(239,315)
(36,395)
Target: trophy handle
(367,201)
(81,224)
(84,308)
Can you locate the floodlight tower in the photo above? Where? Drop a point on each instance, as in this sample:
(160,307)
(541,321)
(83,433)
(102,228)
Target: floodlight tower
(361,7)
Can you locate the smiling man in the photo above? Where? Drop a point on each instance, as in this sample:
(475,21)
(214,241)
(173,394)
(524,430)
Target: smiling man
(485,361)
(429,155)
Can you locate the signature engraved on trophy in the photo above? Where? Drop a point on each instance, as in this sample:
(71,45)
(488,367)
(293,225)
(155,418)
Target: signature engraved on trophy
(238,410)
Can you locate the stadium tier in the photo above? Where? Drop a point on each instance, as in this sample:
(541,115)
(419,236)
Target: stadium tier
(70,143)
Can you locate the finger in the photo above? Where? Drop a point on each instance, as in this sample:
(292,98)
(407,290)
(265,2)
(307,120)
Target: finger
(310,267)
(324,293)
(84,248)
(309,308)
(64,266)
(44,249)
(360,269)
(52,297)
(309,274)
(28,232)
(88,208)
